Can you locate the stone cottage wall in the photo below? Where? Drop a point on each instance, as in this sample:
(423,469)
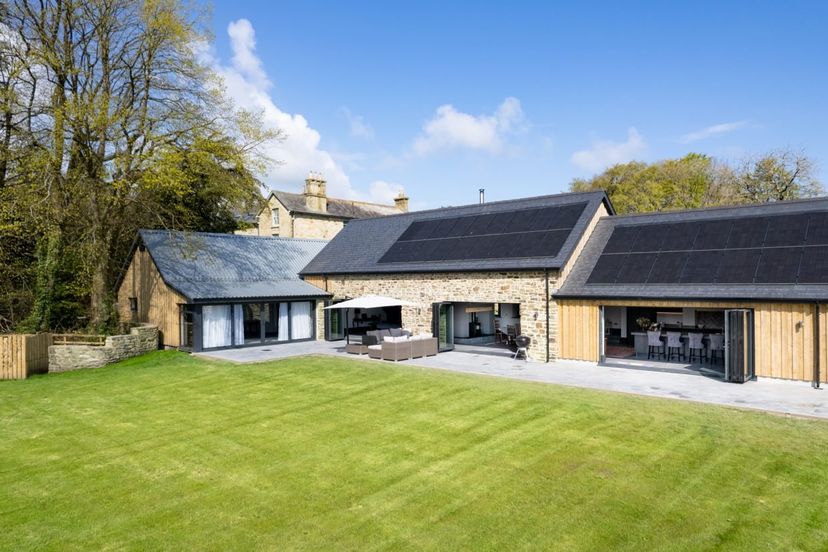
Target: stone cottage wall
(526,288)
(63,358)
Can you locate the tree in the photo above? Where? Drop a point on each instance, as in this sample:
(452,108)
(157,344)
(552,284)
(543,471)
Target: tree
(638,187)
(110,122)
(697,180)
(777,176)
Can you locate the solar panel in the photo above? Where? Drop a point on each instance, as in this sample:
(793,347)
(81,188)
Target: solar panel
(814,266)
(606,269)
(526,220)
(738,266)
(622,239)
(568,215)
(778,265)
(636,268)
(701,267)
(667,267)
(712,234)
(786,230)
(650,238)
(765,249)
(817,229)
(415,231)
(748,232)
(680,236)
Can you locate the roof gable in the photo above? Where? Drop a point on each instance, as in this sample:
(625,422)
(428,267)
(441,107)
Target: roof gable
(466,238)
(204,266)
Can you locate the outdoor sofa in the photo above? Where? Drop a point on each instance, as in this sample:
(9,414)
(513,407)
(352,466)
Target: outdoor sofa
(404,347)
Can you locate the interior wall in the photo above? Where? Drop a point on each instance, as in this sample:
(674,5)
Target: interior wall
(616,318)
(463,318)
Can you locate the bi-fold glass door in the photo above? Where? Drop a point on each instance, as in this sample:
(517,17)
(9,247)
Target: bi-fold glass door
(739,345)
(334,322)
(443,323)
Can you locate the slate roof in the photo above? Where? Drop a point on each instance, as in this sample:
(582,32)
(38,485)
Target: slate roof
(338,208)
(576,285)
(205,266)
(360,245)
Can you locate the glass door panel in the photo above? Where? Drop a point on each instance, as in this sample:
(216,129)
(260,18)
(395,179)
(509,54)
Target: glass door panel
(739,349)
(270,320)
(444,325)
(334,324)
(252,323)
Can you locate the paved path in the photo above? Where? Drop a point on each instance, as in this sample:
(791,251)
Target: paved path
(786,397)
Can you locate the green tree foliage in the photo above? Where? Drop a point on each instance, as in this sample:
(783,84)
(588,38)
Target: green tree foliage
(108,123)
(697,180)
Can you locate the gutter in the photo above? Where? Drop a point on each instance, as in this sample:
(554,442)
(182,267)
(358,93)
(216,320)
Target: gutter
(546,300)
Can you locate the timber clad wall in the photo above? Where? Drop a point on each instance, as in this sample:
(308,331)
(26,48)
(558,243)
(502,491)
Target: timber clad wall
(22,355)
(784,334)
(157,303)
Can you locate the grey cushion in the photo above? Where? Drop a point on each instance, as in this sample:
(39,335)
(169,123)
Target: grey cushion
(396,332)
(384,333)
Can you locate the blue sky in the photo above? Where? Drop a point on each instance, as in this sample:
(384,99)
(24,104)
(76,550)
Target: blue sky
(443,98)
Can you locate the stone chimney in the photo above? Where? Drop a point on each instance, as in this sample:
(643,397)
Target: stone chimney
(401,202)
(316,198)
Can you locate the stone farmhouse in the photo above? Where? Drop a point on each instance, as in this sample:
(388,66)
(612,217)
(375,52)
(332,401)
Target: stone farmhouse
(312,214)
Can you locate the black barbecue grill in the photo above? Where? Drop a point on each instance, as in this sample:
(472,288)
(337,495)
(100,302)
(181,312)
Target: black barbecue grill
(522,342)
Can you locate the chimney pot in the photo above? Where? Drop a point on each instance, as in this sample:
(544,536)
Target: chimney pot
(401,201)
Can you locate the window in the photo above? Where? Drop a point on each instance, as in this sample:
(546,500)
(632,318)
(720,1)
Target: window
(274,217)
(133,304)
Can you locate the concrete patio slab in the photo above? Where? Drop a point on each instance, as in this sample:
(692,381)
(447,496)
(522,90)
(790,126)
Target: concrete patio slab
(779,396)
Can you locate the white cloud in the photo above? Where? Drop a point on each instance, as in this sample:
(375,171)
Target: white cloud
(714,130)
(384,192)
(604,153)
(450,128)
(247,83)
(359,128)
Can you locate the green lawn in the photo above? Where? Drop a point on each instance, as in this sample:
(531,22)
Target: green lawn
(167,451)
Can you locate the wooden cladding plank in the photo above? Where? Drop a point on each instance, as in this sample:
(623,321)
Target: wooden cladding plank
(578,330)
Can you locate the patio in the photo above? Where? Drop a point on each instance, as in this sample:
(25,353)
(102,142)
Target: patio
(778,396)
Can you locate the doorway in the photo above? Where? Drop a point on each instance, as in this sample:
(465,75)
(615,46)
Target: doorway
(443,323)
(739,345)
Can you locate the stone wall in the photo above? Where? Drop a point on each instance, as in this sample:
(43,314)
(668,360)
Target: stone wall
(63,358)
(526,288)
(316,228)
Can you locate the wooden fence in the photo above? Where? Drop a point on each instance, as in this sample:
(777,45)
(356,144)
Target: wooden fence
(22,355)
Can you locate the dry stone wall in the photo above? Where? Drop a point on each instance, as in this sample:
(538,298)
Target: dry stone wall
(526,288)
(64,358)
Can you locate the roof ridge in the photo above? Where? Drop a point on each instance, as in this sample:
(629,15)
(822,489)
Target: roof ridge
(342,199)
(223,235)
(802,201)
(498,202)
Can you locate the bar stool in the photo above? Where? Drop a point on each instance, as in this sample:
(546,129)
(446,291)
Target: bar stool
(696,346)
(656,346)
(716,347)
(674,346)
